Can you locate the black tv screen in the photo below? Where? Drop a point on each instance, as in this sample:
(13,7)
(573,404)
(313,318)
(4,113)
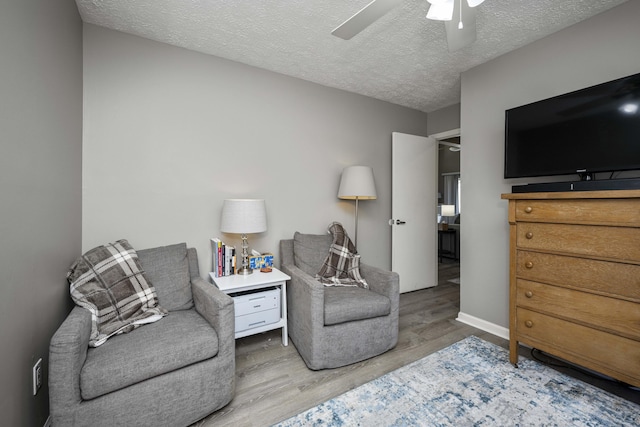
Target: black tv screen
(591,130)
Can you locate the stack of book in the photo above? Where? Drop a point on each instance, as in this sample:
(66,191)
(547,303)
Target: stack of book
(224,258)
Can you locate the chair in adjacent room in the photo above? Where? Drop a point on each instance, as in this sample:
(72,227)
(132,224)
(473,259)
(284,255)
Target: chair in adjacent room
(333,326)
(173,372)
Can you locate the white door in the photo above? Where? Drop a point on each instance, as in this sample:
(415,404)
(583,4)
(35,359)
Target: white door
(414,211)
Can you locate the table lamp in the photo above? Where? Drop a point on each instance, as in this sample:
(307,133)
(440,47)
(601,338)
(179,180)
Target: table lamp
(447,210)
(243,216)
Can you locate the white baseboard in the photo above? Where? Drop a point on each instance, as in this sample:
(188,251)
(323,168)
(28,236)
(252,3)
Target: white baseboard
(476,322)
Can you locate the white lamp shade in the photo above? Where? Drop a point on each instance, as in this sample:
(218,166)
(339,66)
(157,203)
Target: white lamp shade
(243,216)
(474,3)
(357,183)
(441,11)
(448,210)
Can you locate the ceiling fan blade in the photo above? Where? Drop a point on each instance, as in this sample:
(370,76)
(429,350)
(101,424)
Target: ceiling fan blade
(365,17)
(458,38)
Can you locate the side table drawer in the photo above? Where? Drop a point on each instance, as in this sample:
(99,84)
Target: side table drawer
(249,303)
(254,320)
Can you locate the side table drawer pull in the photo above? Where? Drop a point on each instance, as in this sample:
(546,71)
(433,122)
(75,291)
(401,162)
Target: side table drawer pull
(528,209)
(528,324)
(529,235)
(251,325)
(528,294)
(528,264)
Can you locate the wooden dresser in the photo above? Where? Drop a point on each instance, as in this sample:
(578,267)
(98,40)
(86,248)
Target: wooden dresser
(575,278)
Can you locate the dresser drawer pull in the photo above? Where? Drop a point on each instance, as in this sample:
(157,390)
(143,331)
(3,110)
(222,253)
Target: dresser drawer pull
(529,235)
(528,209)
(528,294)
(528,264)
(528,324)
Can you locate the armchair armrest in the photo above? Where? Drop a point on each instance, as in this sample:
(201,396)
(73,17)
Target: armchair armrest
(217,308)
(384,282)
(307,294)
(67,354)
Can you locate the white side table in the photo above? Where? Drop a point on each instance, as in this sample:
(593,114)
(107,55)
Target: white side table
(256,282)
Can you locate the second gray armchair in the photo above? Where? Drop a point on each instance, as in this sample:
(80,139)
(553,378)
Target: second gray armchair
(336,326)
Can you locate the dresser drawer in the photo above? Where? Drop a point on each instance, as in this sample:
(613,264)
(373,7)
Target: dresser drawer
(611,354)
(604,313)
(257,301)
(620,243)
(255,320)
(574,211)
(602,277)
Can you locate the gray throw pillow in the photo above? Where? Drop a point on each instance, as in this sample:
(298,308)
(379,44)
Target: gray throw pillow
(310,251)
(168,269)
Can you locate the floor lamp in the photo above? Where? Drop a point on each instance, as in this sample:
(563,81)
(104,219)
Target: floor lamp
(357,184)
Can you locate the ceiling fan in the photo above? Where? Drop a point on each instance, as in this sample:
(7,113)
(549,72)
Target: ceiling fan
(459,17)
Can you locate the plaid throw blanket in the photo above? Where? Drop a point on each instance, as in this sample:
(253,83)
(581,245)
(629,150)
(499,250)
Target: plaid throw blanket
(110,282)
(342,265)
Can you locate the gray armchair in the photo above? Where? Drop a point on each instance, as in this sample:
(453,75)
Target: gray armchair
(336,326)
(169,373)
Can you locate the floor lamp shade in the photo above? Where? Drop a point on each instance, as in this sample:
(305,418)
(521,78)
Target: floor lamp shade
(357,184)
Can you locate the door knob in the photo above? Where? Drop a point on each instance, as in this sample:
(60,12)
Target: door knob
(396,221)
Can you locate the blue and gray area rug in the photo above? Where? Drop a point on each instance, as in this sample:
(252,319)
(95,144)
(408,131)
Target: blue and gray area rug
(472,383)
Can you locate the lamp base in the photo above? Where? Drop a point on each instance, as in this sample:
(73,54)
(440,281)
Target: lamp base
(244,271)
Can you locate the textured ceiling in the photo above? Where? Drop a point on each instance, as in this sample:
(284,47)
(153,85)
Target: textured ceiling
(401,58)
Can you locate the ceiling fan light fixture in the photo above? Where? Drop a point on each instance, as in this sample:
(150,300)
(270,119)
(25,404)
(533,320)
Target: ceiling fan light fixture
(441,11)
(474,3)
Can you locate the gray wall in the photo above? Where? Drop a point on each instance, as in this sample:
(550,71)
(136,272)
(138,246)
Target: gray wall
(444,119)
(40,189)
(600,49)
(170,133)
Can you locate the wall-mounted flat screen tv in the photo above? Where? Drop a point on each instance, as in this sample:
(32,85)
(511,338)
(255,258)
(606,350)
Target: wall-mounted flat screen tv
(592,130)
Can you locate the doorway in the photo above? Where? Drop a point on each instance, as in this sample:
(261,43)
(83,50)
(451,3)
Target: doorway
(449,206)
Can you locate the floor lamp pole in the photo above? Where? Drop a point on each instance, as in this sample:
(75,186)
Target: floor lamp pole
(355,243)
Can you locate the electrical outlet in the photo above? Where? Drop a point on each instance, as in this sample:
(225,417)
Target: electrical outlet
(37,376)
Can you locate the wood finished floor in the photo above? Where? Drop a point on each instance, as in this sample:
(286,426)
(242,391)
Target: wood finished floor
(273,383)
